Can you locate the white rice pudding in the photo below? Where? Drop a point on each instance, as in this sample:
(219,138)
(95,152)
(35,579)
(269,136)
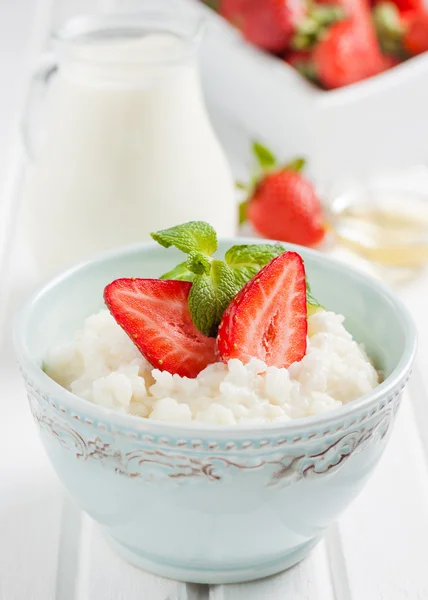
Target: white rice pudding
(103,366)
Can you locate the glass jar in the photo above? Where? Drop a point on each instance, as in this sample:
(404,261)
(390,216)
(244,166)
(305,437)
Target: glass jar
(125,145)
(382,222)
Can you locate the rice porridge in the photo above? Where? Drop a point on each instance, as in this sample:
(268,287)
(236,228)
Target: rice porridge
(103,366)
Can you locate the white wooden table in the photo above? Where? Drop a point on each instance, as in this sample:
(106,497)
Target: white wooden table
(49,550)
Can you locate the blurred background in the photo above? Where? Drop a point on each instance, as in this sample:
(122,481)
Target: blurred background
(115,130)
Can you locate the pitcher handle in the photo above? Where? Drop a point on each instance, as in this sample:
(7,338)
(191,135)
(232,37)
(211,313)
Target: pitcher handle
(35,99)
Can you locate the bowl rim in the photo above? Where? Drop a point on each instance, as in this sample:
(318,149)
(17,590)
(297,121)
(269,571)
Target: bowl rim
(390,385)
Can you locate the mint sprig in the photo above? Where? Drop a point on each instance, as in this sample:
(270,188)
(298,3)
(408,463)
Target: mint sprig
(199,263)
(192,236)
(215,282)
(210,295)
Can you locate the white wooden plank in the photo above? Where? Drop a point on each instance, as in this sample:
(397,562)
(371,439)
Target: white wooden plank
(105,576)
(337,562)
(30,499)
(309,580)
(383,534)
(68,551)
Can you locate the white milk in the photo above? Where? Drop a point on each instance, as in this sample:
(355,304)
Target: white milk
(128,149)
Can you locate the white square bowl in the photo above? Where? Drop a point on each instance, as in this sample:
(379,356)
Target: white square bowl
(375,125)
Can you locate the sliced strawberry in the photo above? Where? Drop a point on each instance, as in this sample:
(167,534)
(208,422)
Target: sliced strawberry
(268,319)
(155,315)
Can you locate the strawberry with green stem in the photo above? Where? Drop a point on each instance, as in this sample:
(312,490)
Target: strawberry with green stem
(349,50)
(343,48)
(310,29)
(282,203)
(347,54)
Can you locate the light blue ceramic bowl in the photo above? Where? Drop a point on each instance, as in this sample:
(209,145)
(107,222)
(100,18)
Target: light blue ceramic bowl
(213,504)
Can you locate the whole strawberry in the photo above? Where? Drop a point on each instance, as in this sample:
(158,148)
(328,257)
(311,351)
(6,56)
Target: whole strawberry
(341,41)
(269,24)
(283,204)
(348,53)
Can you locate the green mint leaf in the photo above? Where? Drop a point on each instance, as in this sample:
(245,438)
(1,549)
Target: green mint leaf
(258,254)
(199,263)
(210,295)
(194,236)
(247,259)
(264,156)
(180,272)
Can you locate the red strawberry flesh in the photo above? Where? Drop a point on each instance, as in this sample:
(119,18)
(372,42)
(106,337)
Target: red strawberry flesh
(155,315)
(268,317)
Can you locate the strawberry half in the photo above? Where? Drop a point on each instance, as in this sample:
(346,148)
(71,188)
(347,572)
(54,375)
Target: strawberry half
(268,318)
(155,315)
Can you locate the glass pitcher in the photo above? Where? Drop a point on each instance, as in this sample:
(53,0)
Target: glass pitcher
(125,145)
